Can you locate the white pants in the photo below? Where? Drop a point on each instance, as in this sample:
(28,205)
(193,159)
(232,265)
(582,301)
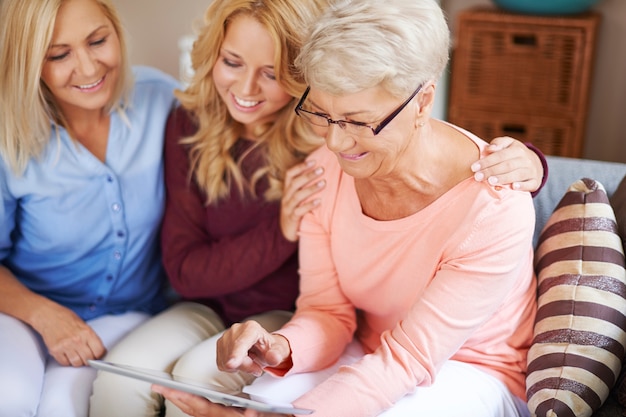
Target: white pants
(32,383)
(181,340)
(460,390)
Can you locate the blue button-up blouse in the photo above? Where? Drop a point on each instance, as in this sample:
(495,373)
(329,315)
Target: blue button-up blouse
(85,233)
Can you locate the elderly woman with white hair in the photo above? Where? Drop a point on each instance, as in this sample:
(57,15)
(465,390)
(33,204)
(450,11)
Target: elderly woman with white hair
(423,272)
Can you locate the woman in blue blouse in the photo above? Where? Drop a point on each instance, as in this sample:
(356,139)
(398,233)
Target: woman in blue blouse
(81,198)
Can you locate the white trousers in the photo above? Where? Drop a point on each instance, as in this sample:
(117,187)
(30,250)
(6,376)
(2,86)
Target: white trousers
(32,383)
(181,340)
(460,390)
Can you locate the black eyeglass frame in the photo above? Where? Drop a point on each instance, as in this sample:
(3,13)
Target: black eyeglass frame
(341,123)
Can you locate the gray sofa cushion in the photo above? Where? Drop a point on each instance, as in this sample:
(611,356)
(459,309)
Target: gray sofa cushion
(563,172)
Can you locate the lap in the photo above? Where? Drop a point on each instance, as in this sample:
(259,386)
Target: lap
(66,389)
(22,367)
(157,344)
(459,390)
(160,341)
(32,381)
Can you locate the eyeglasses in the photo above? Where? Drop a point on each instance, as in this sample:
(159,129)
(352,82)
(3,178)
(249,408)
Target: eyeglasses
(356,128)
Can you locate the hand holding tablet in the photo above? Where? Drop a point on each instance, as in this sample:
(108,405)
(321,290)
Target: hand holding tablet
(213,393)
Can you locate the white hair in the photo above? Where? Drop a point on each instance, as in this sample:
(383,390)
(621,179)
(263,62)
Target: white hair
(359,44)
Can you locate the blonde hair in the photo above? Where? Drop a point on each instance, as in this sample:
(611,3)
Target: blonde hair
(285,141)
(28,111)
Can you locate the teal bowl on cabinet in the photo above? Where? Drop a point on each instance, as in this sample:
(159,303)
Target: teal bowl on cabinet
(546,7)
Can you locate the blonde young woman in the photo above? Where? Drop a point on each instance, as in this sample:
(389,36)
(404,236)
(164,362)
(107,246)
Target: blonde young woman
(229,240)
(81,198)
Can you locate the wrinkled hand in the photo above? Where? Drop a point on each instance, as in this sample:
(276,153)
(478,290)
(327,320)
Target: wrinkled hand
(509,162)
(301,183)
(248,347)
(195,405)
(70,341)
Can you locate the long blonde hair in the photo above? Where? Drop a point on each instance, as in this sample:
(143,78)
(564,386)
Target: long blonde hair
(28,111)
(287,140)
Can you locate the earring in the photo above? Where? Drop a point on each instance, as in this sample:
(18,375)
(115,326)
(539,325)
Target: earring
(421,124)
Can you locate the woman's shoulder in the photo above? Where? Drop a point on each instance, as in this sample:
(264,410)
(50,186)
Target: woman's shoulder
(180,122)
(145,75)
(323,156)
(152,94)
(153,87)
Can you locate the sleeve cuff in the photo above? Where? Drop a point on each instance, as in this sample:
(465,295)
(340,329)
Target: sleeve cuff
(544,164)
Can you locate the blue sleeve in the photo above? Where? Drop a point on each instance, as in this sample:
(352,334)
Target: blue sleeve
(8,206)
(150,74)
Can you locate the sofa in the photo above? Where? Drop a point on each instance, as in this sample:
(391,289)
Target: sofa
(562,173)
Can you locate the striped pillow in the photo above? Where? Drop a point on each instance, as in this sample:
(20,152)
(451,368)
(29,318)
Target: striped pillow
(580,329)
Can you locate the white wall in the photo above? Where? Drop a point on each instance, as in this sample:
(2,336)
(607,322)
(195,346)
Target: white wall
(155,26)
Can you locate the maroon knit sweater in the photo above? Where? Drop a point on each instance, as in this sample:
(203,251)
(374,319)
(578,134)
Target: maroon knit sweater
(230,256)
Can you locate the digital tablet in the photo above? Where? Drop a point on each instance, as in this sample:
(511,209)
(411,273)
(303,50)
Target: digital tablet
(213,393)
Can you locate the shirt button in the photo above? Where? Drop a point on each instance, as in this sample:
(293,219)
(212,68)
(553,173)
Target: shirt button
(92,307)
(99,299)
(120,233)
(109,278)
(117,255)
(109,178)
(116,207)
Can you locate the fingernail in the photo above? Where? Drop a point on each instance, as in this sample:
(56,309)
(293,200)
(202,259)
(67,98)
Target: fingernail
(321,183)
(310,162)
(319,171)
(479,176)
(492,180)
(517,185)
(475,167)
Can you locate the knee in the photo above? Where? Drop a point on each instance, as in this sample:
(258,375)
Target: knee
(115,395)
(19,398)
(199,365)
(198,361)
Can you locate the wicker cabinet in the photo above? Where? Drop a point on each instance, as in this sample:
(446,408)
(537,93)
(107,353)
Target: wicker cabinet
(523,76)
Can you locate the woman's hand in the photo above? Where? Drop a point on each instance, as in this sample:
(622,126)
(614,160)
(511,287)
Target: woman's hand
(70,341)
(301,183)
(201,407)
(195,405)
(248,347)
(510,162)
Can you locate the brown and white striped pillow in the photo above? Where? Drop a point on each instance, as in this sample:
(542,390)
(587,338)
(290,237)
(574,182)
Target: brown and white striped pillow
(580,330)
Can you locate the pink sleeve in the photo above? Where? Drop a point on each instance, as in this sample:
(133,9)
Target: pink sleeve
(325,319)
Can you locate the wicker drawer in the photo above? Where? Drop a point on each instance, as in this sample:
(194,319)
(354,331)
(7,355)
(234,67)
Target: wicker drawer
(552,135)
(505,65)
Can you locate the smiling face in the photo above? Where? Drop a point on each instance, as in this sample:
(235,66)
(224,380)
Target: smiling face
(244,74)
(371,156)
(82,65)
